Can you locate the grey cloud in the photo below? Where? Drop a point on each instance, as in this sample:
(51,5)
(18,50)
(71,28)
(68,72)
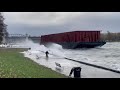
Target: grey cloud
(86,21)
(40,18)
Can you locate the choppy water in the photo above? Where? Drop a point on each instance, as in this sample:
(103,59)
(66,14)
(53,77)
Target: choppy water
(106,56)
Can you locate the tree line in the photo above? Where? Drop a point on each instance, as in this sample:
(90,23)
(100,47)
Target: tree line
(110,36)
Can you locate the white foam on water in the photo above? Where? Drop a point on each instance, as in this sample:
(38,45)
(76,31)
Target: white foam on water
(56,50)
(107,56)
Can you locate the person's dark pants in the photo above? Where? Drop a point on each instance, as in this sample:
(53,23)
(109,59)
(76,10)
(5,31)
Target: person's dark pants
(46,55)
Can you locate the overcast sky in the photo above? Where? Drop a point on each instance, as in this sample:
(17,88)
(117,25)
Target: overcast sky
(40,23)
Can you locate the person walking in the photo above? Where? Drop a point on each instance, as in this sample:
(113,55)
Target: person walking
(46,54)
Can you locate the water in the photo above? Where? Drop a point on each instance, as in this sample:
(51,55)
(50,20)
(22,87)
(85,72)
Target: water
(106,56)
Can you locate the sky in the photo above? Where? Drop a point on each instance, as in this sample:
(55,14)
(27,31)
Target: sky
(42,23)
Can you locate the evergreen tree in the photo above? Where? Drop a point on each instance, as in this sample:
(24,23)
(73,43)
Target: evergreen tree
(3,28)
